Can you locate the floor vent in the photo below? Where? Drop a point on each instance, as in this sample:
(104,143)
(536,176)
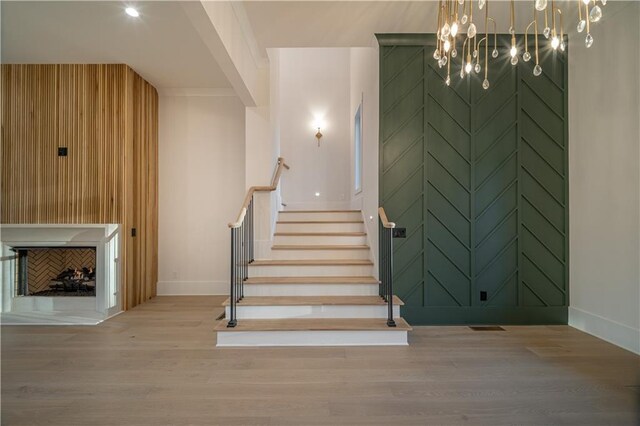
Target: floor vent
(486,328)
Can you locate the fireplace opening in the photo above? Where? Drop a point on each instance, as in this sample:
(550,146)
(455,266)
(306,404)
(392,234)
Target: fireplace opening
(56,271)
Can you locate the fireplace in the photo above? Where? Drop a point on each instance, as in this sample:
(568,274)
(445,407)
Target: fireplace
(56,271)
(59,273)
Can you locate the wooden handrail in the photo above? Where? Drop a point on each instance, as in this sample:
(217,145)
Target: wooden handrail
(383,218)
(274,185)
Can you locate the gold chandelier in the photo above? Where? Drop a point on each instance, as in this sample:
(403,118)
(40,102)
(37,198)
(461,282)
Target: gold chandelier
(454,14)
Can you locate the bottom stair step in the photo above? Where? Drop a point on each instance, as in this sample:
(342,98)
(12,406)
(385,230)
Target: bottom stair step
(306,307)
(313,332)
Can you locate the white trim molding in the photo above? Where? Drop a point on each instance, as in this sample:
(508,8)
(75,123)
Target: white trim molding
(198,92)
(611,331)
(193,288)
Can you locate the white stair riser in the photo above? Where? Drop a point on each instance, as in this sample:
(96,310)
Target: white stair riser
(319,254)
(319,227)
(311,271)
(284,216)
(320,239)
(311,289)
(313,338)
(325,311)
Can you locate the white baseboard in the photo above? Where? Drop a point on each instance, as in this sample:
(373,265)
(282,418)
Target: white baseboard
(193,288)
(611,331)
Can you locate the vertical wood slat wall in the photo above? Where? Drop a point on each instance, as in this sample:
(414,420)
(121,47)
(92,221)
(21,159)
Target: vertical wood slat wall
(107,117)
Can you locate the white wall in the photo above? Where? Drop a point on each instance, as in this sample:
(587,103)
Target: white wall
(604,178)
(364,87)
(314,84)
(201,187)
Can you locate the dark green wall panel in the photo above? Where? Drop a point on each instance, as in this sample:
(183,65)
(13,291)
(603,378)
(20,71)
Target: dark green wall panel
(478,178)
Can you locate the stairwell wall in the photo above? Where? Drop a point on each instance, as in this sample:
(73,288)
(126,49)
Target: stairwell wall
(364,87)
(314,85)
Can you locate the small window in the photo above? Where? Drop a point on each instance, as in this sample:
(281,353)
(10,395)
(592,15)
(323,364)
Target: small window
(357,137)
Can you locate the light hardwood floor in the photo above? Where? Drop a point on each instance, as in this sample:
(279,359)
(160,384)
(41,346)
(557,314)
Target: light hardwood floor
(158,365)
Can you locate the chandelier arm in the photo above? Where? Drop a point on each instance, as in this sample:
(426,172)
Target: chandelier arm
(495,32)
(579,10)
(479,43)
(553,17)
(559,11)
(513,29)
(586,15)
(464,45)
(526,33)
(438,25)
(448,67)
(486,41)
(535,20)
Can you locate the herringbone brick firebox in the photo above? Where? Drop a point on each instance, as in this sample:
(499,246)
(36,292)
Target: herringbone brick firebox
(44,265)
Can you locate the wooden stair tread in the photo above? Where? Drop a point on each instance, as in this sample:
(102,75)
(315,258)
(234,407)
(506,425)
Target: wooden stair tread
(314,301)
(311,262)
(319,221)
(320,234)
(319,211)
(311,280)
(315,324)
(319,247)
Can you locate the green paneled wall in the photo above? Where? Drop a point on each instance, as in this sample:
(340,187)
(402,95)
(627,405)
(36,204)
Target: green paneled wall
(479,179)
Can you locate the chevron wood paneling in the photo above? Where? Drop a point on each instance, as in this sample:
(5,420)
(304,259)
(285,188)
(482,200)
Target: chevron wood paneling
(478,178)
(107,117)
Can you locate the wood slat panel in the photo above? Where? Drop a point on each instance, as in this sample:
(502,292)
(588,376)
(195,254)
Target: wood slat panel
(107,117)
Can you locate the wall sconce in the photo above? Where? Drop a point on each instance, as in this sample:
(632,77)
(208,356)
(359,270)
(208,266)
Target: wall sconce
(318,136)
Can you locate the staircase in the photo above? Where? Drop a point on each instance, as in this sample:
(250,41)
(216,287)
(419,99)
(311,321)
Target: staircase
(316,288)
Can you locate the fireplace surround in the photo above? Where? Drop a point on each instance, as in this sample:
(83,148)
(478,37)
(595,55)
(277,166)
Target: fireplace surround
(59,274)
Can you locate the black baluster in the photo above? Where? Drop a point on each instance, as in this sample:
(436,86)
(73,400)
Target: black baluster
(380,260)
(232,317)
(241,264)
(390,321)
(237,264)
(251,258)
(245,264)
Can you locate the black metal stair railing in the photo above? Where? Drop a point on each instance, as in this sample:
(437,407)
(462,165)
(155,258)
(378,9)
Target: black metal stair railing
(242,243)
(385,249)
(241,257)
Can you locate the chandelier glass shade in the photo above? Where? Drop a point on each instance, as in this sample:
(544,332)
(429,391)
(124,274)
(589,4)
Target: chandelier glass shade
(456,26)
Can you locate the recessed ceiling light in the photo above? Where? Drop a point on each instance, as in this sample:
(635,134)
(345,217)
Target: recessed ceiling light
(317,194)
(132,12)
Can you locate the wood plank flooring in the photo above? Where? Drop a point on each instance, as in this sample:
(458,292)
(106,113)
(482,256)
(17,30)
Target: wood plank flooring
(157,364)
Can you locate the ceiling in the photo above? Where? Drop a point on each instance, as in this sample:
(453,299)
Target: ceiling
(354,23)
(332,23)
(165,48)
(161,45)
